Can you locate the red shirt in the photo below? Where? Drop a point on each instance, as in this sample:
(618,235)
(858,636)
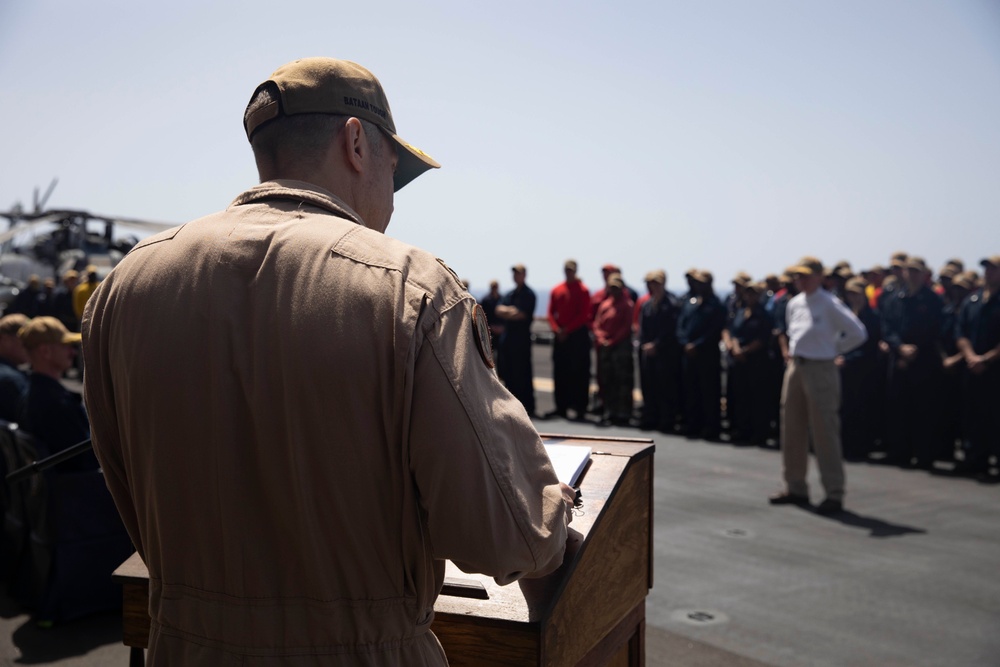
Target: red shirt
(613,322)
(569,306)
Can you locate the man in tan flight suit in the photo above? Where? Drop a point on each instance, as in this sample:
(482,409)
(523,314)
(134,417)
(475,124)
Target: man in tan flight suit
(298,416)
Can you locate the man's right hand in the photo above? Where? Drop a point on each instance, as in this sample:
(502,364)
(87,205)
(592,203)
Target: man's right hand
(976,364)
(569,497)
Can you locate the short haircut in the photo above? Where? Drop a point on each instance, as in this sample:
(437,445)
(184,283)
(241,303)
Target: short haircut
(302,137)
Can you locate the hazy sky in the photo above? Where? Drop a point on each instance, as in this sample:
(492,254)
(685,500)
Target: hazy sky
(728,134)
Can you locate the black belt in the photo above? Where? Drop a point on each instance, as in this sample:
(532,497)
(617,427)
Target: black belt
(803,360)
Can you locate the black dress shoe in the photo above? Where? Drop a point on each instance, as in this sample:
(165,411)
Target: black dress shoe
(987,477)
(829,507)
(970,469)
(786,498)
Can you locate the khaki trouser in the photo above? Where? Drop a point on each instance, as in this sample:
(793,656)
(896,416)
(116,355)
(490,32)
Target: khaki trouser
(810,404)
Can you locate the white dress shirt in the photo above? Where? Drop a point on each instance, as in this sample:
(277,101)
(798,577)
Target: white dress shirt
(820,327)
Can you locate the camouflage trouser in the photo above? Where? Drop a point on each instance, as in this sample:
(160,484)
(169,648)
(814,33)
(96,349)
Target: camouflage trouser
(617,377)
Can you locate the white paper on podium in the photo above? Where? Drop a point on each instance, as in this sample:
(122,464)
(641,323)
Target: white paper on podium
(568,461)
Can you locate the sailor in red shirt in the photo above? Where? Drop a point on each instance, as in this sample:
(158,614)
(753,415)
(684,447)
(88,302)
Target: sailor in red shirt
(595,302)
(613,336)
(597,297)
(569,317)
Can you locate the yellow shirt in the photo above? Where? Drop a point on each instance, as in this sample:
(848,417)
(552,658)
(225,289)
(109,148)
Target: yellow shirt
(81,294)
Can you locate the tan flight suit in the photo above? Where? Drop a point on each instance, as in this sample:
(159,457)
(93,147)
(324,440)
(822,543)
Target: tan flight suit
(297,427)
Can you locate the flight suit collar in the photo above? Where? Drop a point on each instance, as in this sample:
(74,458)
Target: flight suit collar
(300,191)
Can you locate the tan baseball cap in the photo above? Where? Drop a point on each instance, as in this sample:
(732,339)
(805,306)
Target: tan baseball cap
(807,266)
(42,330)
(972,276)
(949,271)
(990,261)
(742,279)
(615,280)
(856,285)
(963,280)
(916,264)
(656,276)
(570,264)
(11,324)
(340,87)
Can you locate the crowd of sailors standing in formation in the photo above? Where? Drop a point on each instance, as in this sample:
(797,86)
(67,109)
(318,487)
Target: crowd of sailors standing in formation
(57,569)
(923,388)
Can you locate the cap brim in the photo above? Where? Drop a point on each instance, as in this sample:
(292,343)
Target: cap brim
(72,337)
(411,162)
(800,270)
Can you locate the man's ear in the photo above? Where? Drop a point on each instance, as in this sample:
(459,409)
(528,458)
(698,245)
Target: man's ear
(355,146)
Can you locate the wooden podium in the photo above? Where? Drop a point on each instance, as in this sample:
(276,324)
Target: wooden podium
(591,611)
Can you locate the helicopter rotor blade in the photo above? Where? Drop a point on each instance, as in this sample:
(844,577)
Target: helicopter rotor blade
(145,225)
(25,222)
(49,216)
(17,214)
(48,193)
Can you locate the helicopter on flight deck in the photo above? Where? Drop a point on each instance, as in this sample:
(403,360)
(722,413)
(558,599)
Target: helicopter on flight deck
(46,243)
